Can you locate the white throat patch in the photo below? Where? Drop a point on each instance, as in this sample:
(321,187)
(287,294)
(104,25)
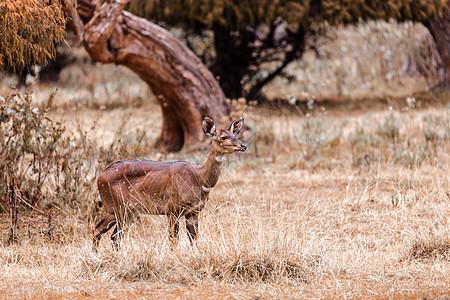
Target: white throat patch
(219,159)
(206,190)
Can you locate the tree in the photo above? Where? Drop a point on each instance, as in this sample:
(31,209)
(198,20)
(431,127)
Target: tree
(29,30)
(185,88)
(248,34)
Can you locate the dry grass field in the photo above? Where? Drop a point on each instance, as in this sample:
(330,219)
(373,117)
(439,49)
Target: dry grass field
(327,202)
(319,206)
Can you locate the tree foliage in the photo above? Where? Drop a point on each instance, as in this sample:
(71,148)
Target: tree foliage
(225,14)
(345,12)
(29,30)
(233,14)
(248,34)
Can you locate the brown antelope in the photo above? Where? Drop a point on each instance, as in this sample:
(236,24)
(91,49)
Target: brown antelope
(174,189)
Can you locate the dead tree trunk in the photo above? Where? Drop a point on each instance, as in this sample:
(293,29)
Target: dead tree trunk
(185,88)
(440,30)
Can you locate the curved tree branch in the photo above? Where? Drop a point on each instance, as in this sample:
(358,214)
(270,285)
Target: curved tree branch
(185,88)
(76,20)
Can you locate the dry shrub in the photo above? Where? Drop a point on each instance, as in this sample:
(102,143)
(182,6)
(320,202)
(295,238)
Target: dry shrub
(430,248)
(263,269)
(396,138)
(319,136)
(29,146)
(363,145)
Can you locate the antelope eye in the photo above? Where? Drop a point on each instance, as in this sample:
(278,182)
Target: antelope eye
(224,137)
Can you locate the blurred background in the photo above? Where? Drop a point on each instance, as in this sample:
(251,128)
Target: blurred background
(367,60)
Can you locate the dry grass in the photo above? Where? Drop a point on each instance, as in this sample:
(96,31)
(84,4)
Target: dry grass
(290,224)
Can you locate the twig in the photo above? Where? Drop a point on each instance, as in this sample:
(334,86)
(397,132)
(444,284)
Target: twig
(13,211)
(21,199)
(46,231)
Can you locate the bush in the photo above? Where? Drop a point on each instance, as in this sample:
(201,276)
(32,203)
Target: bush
(28,146)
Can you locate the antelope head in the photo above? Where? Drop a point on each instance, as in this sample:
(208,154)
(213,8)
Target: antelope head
(224,141)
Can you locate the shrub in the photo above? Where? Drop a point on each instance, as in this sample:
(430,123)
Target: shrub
(28,146)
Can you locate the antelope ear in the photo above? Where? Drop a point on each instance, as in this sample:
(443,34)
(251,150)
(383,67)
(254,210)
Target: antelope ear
(236,126)
(208,126)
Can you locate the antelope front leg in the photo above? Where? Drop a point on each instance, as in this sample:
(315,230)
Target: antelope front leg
(192,226)
(103,226)
(174,227)
(117,236)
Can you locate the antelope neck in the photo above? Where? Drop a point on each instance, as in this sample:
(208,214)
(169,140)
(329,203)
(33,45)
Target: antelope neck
(210,171)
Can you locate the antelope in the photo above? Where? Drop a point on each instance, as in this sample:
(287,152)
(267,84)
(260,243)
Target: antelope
(174,189)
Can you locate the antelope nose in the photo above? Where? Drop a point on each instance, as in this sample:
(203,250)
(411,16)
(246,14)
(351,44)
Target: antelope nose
(243,147)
